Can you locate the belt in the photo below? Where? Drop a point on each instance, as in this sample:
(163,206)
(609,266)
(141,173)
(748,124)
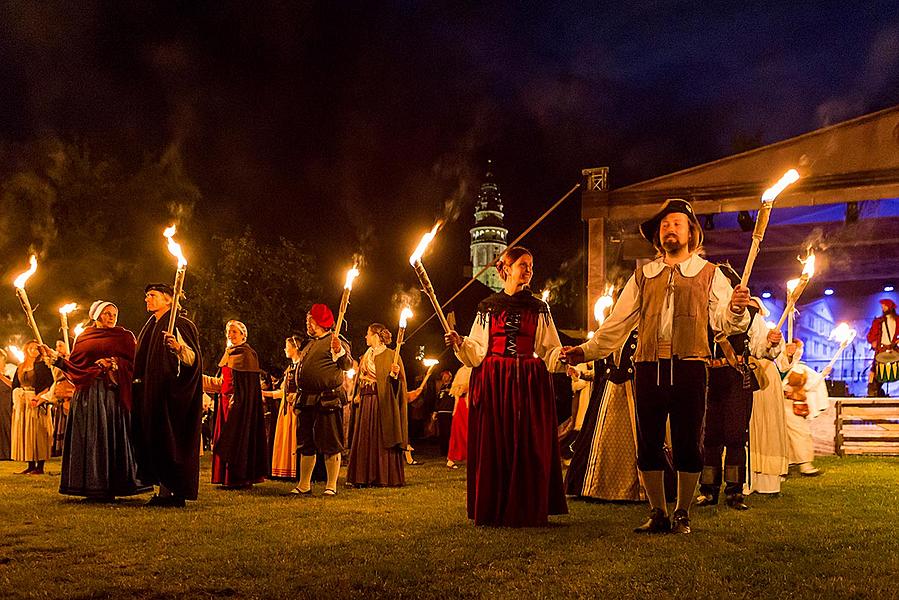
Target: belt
(717,363)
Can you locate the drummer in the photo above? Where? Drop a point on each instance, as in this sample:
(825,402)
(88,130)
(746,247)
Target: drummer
(884,339)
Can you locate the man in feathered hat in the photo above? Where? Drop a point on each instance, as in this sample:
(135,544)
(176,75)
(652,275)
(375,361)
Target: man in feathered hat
(672,301)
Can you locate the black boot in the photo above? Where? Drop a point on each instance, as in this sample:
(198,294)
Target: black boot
(658,523)
(734,477)
(709,486)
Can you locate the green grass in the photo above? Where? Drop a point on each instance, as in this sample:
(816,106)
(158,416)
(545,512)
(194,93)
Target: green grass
(830,537)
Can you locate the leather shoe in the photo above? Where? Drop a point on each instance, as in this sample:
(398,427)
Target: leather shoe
(736,502)
(680,523)
(165,501)
(658,523)
(706,500)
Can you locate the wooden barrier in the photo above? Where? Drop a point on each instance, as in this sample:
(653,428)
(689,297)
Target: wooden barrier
(866,426)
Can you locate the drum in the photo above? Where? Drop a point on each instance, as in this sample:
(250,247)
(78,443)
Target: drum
(887,372)
(887,356)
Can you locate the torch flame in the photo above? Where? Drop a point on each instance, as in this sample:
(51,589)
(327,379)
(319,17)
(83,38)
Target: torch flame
(352,274)
(545,295)
(405,315)
(774,191)
(843,334)
(21,279)
(67,308)
(602,303)
(17,354)
(423,244)
(350,373)
(809,262)
(430,362)
(174,247)
(791,285)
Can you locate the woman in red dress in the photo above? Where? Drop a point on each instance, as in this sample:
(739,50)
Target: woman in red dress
(458,444)
(514,469)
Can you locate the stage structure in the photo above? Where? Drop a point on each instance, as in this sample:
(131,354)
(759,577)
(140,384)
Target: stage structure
(846,203)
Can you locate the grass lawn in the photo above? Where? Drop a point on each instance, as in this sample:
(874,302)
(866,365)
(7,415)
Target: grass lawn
(830,537)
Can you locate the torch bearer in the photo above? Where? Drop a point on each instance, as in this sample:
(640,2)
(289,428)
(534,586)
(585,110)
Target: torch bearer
(175,250)
(64,321)
(798,288)
(19,284)
(352,274)
(415,261)
(761,221)
(405,315)
(844,335)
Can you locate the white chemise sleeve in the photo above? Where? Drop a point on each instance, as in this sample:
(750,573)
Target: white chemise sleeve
(474,346)
(547,345)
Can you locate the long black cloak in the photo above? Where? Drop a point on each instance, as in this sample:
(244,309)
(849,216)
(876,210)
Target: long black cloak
(242,444)
(168,409)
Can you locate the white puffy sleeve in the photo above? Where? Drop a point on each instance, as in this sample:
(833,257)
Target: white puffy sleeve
(547,345)
(474,345)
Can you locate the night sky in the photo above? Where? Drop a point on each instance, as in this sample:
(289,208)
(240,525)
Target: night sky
(353,126)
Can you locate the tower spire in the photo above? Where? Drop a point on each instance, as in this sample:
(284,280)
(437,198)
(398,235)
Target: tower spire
(488,236)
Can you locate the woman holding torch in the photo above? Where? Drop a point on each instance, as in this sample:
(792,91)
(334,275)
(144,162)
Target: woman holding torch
(32,431)
(380,426)
(514,469)
(98,460)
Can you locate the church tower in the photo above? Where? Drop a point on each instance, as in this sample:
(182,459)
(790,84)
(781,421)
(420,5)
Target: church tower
(488,236)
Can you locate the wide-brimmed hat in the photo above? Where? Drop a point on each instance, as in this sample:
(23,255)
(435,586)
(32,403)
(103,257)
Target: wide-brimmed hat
(674,205)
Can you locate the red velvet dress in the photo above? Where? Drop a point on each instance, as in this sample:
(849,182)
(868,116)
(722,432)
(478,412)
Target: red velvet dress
(514,467)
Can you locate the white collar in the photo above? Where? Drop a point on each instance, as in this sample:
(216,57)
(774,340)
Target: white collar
(688,268)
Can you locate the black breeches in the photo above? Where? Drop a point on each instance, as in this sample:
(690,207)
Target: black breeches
(683,401)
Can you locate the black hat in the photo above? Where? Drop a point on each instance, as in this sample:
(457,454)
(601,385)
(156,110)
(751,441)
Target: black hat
(675,205)
(165,288)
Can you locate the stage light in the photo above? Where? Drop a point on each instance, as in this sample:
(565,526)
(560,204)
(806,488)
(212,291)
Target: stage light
(708,222)
(766,294)
(745,221)
(888,288)
(828,292)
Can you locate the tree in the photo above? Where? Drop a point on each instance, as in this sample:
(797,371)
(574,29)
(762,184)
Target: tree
(269,287)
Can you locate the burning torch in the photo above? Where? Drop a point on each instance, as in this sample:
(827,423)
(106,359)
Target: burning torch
(352,274)
(405,315)
(415,261)
(175,250)
(761,221)
(19,284)
(64,321)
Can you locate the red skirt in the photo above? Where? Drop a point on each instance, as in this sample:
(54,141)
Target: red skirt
(458,448)
(514,469)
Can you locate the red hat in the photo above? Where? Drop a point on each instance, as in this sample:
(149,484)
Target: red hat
(888,303)
(322,315)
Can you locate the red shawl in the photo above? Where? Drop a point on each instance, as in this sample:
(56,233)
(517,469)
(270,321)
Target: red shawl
(96,343)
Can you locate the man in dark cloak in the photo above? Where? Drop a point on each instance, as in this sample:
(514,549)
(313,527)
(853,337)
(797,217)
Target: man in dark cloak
(168,402)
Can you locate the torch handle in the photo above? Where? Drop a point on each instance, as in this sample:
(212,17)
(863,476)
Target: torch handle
(787,310)
(396,352)
(429,290)
(750,260)
(341,313)
(65,331)
(29,314)
(173,312)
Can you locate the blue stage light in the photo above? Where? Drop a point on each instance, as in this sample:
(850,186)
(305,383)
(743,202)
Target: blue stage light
(828,292)
(888,288)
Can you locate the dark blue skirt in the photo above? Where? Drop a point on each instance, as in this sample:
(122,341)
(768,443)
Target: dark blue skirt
(98,459)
